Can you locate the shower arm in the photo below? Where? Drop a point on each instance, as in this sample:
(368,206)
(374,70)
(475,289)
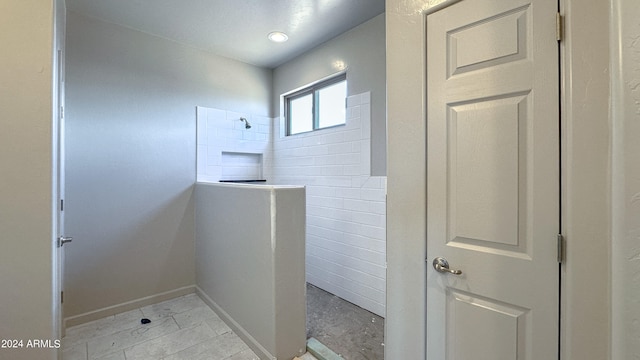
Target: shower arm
(246,123)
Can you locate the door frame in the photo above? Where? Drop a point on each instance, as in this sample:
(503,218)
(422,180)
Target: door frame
(57,169)
(585,136)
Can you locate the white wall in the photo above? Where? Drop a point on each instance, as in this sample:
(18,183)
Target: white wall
(406,210)
(26,153)
(362,52)
(346,212)
(131,159)
(586,175)
(625,61)
(221,131)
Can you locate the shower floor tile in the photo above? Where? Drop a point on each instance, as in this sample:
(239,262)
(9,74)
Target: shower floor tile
(349,330)
(181,328)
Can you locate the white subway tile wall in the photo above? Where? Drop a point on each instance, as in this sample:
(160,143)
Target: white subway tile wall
(226,149)
(346,207)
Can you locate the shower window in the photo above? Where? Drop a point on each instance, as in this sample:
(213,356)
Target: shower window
(318,106)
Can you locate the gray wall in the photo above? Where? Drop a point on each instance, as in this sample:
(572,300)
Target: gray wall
(626,181)
(405,335)
(362,51)
(586,173)
(131,156)
(250,262)
(27,229)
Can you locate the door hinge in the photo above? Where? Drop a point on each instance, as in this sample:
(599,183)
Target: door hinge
(61,204)
(61,297)
(561,249)
(559,27)
(61,112)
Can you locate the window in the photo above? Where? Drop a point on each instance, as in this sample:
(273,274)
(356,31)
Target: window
(318,106)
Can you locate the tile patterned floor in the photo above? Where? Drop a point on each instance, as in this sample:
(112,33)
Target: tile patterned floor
(182,328)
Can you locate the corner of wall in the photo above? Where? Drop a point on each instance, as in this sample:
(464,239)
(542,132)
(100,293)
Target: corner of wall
(405,335)
(625,182)
(586,176)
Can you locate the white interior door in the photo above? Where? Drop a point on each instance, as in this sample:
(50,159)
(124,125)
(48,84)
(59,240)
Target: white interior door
(493,180)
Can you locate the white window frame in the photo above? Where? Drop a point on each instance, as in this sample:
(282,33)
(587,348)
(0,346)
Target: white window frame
(313,90)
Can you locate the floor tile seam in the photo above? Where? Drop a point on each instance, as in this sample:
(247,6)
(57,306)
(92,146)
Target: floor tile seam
(91,338)
(145,340)
(132,345)
(236,353)
(199,323)
(202,342)
(202,320)
(137,326)
(124,350)
(109,354)
(179,329)
(232,355)
(87,339)
(228,330)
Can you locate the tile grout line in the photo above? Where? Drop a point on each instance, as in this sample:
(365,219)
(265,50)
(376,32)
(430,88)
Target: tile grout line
(130,346)
(198,322)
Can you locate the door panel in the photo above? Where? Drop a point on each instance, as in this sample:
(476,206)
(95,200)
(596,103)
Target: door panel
(469,49)
(470,316)
(492,180)
(484,171)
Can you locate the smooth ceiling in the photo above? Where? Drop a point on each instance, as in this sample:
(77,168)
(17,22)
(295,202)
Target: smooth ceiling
(237,29)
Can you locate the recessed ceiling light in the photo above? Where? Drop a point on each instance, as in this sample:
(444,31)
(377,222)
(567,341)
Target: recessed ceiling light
(277,36)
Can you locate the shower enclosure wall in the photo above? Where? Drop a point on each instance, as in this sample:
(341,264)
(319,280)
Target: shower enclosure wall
(346,208)
(250,270)
(250,263)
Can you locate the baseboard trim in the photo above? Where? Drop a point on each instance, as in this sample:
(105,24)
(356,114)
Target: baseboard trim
(126,306)
(237,328)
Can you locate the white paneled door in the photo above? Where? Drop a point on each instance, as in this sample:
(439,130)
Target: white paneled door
(492,180)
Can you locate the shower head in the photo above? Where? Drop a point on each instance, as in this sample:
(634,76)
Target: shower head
(246,123)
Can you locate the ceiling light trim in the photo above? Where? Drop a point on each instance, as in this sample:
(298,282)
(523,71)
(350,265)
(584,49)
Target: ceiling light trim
(278,36)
